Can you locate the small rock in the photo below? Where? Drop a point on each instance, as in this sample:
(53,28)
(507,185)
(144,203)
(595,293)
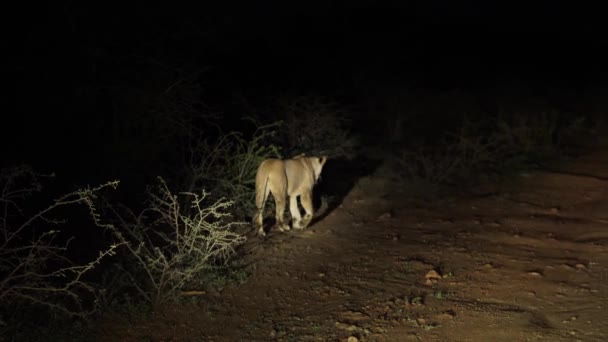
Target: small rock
(535,274)
(418,300)
(385,217)
(346,326)
(446,316)
(431,277)
(580,266)
(352,339)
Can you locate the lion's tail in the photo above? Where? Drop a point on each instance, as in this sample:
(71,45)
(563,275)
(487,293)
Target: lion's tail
(261,190)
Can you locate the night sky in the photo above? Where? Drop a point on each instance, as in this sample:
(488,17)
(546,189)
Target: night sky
(69,67)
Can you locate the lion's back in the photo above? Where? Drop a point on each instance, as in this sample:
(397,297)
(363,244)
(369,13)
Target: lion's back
(299,175)
(293,175)
(271,169)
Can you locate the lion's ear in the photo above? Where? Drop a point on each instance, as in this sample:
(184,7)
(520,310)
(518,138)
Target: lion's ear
(322,160)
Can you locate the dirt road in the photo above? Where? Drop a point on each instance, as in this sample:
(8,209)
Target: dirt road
(523,260)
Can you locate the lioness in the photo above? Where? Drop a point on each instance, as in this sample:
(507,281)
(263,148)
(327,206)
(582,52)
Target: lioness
(290,177)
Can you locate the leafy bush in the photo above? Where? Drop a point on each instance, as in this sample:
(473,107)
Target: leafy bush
(226,164)
(315,125)
(176,239)
(36,275)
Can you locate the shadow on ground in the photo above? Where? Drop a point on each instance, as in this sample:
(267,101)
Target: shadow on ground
(338,179)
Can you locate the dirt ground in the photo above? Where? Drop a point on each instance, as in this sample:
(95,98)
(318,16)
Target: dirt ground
(523,260)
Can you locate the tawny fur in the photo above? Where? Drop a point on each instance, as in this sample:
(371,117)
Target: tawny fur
(285,179)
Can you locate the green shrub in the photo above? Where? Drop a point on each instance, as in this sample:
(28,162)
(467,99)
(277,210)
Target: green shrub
(227,164)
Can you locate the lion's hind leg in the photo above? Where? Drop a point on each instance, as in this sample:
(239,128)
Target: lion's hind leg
(280,202)
(260,201)
(279,192)
(308,207)
(258,222)
(296,217)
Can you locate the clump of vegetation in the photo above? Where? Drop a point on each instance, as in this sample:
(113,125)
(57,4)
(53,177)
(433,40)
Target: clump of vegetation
(226,163)
(173,241)
(38,279)
(494,146)
(175,244)
(316,125)
(457,156)
(520,140)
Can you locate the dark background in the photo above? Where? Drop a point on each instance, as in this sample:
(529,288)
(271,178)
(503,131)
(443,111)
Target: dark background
(75,72)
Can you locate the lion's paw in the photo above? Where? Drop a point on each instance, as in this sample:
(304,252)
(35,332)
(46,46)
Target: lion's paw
(306,221)
(297,224)
(284,227)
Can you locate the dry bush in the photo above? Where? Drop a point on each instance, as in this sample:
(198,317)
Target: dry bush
(496,146)
(173,241)
(35,271)
(524,137)
(453,160)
